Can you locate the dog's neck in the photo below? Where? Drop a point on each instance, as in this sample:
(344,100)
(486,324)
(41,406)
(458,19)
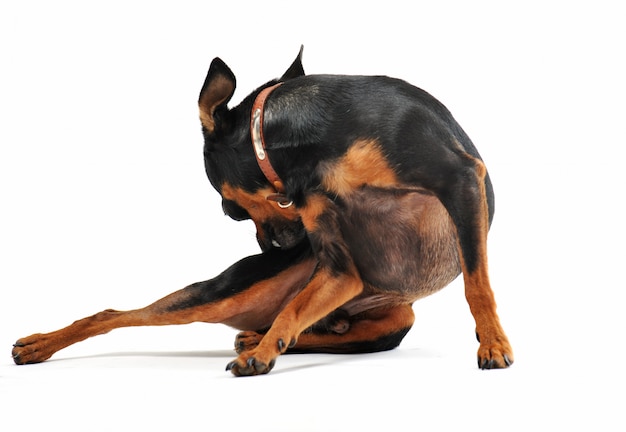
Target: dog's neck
(258,144)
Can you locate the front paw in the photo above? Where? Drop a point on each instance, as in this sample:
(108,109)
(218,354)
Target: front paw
(249,366)
(495,355)
(258,360)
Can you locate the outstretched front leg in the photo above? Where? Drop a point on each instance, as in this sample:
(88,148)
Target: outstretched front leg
(248,296)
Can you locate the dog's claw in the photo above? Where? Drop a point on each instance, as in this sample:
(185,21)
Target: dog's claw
(493,363)
(251,361)
(481,363)
(231,365)
(261,367)
(281,345)
(487,364)
(507,360)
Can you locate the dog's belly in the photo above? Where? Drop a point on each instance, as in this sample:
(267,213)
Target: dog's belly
(403,242)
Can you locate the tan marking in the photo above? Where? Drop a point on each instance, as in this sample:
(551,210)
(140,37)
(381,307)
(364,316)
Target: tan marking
(206,118)
(363,164)
(494,344)
(218,91)
(315,206)
(258,207)
(257,307)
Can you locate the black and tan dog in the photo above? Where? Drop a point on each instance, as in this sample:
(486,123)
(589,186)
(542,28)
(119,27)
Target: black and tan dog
(366,195)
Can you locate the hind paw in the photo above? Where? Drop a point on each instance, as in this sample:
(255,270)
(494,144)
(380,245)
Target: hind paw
(32,349)
(247,340)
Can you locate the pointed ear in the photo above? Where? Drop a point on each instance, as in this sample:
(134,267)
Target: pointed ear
(217,90)
(296,69)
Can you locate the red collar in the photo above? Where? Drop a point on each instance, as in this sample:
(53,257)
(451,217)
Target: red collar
(258,144)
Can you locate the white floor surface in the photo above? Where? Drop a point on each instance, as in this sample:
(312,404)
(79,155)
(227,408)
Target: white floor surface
(105,204)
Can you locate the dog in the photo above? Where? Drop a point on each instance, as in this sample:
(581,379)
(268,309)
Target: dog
(366,196)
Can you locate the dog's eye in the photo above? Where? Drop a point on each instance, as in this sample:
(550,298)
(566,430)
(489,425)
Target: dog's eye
(236,212)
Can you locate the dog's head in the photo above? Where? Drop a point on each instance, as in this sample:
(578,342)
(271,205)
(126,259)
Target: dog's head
(231,164)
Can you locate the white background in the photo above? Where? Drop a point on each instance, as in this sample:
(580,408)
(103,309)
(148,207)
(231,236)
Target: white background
(105,204)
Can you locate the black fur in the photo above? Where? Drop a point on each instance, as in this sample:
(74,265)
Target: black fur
(391,202)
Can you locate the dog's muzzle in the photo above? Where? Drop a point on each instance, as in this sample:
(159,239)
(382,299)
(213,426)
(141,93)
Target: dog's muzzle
(283,236)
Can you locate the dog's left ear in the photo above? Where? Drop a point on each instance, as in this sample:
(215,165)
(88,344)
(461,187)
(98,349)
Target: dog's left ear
(217,90)
(296,69)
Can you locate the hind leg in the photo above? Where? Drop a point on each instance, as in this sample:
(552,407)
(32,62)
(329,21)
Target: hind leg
(374,330)
(233,298)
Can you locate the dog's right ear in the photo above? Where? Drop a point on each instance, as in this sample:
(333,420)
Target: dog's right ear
(217,90)
(296,69)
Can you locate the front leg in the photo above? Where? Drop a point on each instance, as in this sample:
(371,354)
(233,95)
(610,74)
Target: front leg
(335,282)
(320,297)
(472,222)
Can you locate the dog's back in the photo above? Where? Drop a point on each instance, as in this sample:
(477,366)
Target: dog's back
(314,119)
